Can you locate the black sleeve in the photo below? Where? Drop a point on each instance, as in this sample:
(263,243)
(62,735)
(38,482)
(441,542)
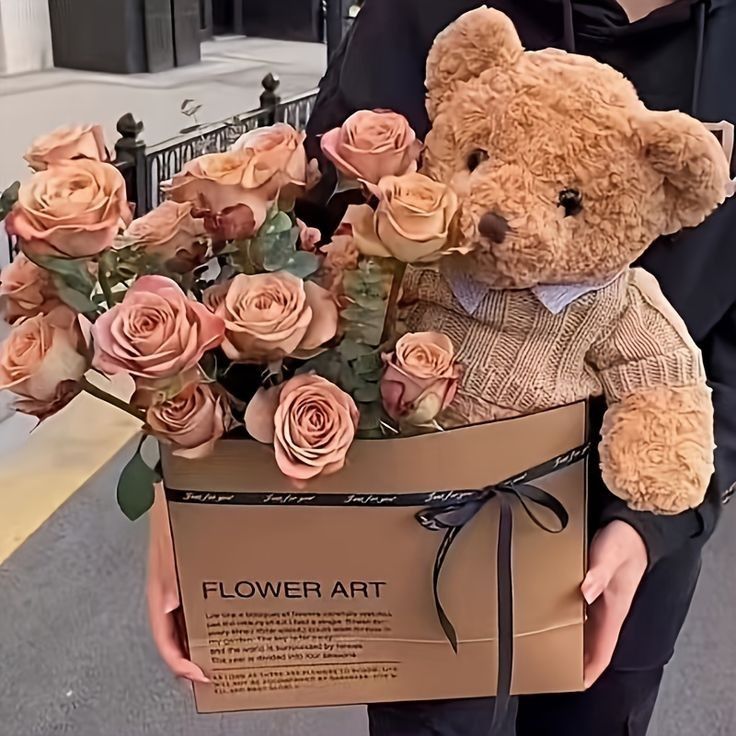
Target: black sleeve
(666,535)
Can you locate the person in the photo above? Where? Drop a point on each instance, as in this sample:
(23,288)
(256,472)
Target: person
(643,568)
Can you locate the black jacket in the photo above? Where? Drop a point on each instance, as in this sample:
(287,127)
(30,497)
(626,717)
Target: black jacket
(682,56)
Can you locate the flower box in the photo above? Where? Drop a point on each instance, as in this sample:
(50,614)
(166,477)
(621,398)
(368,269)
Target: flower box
(325,595)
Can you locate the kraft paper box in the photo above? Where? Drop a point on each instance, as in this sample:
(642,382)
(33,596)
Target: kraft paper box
(291,602)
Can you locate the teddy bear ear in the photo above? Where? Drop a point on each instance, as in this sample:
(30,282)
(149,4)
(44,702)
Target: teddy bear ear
(479,40)
(692,162)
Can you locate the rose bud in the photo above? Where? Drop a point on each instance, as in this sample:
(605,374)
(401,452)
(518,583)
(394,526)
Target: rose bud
(421,378)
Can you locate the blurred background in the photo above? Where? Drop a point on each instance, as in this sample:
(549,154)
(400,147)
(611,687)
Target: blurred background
(168,80)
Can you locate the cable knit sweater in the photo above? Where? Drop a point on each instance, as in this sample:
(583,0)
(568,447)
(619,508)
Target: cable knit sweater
(520,358)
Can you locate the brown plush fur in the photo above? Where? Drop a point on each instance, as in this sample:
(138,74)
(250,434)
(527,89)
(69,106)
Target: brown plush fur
(540,123)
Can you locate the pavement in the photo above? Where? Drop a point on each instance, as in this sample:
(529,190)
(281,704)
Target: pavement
(77,657)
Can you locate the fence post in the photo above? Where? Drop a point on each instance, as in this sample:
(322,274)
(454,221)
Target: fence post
(270,98)
(130,158)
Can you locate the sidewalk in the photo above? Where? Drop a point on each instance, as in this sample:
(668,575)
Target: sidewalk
(226,82)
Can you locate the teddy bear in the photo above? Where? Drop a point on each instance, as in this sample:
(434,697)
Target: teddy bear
(564,179)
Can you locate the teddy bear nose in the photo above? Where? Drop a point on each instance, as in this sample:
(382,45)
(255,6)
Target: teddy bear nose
(494,227)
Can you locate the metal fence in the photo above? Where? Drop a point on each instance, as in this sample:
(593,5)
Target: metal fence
(146,167)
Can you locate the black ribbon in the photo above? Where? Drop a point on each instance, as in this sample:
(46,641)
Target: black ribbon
(453,518)
(448,512)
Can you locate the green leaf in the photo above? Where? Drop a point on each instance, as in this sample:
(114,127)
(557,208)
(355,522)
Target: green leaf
(208,364)
(302,264)
(350,349)
(367,393)
(276,250)
(370,417)
(136,487)
(280,223)
(74,299)
(368,365)
(74,272)
(8,199)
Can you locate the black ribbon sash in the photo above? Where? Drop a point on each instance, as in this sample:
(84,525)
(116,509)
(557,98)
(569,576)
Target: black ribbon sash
(449,512)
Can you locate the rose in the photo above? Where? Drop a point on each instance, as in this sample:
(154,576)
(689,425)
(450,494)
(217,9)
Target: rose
(74,209)
(372,144)
(192,421)
(411,223)
(155,333)
(309,237)
(171,235)
(217,182)
(278,148)
(273,315)
(83,141)
(42,361)
(25,290)
(310,421)
(421,378)
(233,223)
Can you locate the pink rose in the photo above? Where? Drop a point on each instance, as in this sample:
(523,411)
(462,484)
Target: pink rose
(372,144)
(155,333)
(233,223)
(421,378)
(73,209)
(270,316)
(42,361)
(311,423)
(82,141)
(309,237)
(25,290)
(171,235)
(412,222)
(192,421)
(278,148)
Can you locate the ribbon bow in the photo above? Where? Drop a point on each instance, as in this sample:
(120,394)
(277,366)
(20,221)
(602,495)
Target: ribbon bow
(452,519)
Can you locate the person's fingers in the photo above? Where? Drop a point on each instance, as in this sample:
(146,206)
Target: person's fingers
(168,643)
(602,629)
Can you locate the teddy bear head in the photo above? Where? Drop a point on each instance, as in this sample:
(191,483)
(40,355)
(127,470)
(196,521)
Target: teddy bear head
(563,175)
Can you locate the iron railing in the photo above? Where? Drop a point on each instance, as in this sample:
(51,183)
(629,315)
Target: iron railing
(146,168)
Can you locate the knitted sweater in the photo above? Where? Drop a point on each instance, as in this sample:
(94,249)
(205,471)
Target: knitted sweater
(520,358)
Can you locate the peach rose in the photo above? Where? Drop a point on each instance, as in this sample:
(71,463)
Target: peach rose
(421,378)
(25,290)
(81,141)
(171,235)
(411,223)
(155,333)
(192,421)
(233,223)
(42,362)
(372,144)
(218,181)
(278,148)
(273,315)
(73,209)
(310,421)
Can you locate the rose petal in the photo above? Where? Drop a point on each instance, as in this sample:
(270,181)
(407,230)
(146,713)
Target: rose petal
(260,412)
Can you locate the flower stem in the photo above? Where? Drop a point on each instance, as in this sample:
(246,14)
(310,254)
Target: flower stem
(392,307)
(109,398)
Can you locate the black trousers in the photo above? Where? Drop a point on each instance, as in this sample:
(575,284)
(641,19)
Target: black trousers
(619,704)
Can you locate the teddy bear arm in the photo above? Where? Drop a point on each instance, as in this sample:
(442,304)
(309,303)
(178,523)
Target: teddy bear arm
(657,438)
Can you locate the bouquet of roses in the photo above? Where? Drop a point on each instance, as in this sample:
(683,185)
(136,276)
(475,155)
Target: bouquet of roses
(224,308)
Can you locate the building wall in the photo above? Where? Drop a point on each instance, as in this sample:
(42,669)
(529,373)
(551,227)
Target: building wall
(25,36)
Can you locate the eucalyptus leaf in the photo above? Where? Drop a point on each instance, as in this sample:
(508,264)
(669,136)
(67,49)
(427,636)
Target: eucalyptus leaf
(367,393)
(370,417)
(351,349)
(279,224)
(136,487)
(8,199)
(368,365)
(276,250)
(302,264)
(74,272)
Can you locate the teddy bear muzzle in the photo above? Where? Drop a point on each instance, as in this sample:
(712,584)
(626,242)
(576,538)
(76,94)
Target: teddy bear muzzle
(493,227)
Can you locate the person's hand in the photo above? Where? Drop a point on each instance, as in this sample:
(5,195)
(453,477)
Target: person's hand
(618,561)
(163,596)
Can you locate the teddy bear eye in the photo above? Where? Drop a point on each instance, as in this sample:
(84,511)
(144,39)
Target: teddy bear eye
(571,200)
(476,158)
